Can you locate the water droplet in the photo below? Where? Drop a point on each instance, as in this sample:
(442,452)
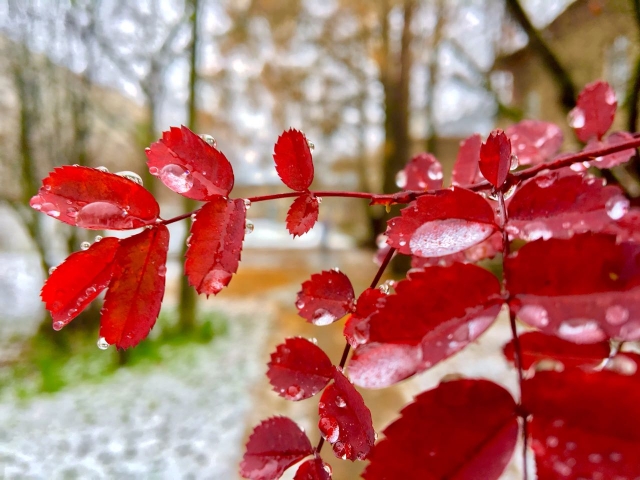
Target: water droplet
(616,315)
(49,209)
(435,172)
(509,193)
(102,343)
(103,169)
(581,331)
(630,331)
(90,291)
(610,97)
(323,317)
(162,270)
(617,206)
(299,304)
(515,163)
(176,178)
(534,315)
(576,118)
(595,458)
(133,176)
(552,441)
(622,365)
(327,468)
(314,340)
(311,145)
(98,238)
(52,269)
(57,326)
(340,402)
(216,280)
(329,428)
(401,179)
(85,246)
(247,203)
(536,230)
(101,215)
(384,288)
(443,237)
(209,139)
(248,227)
(294,393)
(154,171)
(319,200)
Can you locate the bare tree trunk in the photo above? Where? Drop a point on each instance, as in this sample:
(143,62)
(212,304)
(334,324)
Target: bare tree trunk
(188,297)
(430,142)
(548,56)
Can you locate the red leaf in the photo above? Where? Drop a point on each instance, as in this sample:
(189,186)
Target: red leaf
(466,170)
(534,141)
(613,159)
(446,222)
(78,281)
(584,289)
(422,172)
(584,422)
(537,346)
(274,445)
(325,298)
(215,244)
(132,303)
(495,158)
(594,111)
(560,204)
(437,324)
(313,469)
(188,165)
(465,429)
(293,160)
(356,328)
(345,421)
(303,214)
(93,199)
(299,369)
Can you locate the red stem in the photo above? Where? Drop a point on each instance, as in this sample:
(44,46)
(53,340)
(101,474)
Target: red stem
(347,347)
(517,349)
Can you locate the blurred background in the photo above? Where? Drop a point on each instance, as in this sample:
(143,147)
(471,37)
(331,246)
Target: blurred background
(370,82)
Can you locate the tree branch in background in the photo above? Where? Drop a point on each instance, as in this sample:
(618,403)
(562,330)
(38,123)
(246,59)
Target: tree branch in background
(548,57)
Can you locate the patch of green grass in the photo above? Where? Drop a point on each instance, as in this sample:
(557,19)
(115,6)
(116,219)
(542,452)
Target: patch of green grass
(49,363)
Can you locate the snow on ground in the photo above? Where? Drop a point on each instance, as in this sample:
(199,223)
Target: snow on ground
(183,420)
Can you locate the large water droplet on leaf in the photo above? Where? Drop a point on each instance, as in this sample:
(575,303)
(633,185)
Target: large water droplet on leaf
(102,343)
(323,317)
(215,281)
(581,331)
(133,176)
(576,118)
(617,207)
(536,230)
(85,246)
(444,237)
(101,215)
(57,326)
(616,315)
(534,315)
(329,428)
(209,139)
(176,178)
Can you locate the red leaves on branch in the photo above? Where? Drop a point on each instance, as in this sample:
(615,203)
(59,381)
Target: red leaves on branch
(302,214)
(613,159)
(533,141)
(464,429)
(299,369)
(466,170)
(93,199)
(561,204)
(422,172)
(188,165)
(215,244)
(594,111)
(78,281)
(292,156)
(584,422)
(132,303)
(537,347)
(313,469)
(433,314)
(585,290)
(274,445)
(446,222)
(495,158)
(325,297)
(345,421)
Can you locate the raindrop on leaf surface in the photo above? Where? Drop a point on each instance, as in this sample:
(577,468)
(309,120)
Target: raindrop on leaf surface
(176,178)
(102,343)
